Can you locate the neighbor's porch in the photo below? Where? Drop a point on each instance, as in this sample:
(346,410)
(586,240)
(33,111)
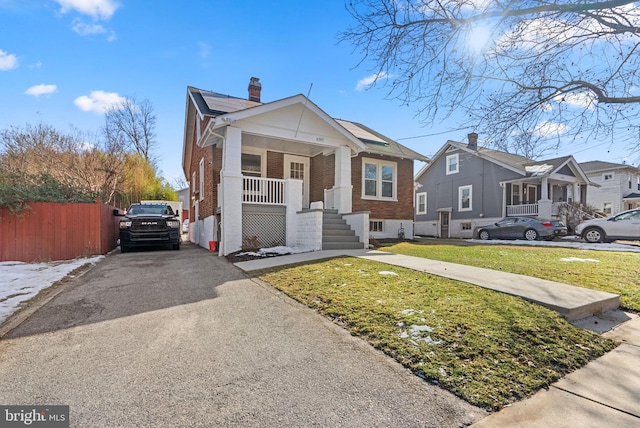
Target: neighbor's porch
(540,198)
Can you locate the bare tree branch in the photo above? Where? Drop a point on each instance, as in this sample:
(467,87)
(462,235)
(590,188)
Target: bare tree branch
(514,68)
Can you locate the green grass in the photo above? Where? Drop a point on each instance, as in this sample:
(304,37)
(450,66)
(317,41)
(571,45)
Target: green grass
(488,348)
(615,272)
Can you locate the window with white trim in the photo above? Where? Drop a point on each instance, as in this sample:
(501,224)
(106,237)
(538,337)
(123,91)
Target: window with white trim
(375,226)
(251,164)
(421,203)
(607,208)
(607,176)
(201,179)
(379,179)
(453,164)
(465,194)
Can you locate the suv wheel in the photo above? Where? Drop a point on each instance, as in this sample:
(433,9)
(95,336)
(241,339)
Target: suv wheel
(593,235)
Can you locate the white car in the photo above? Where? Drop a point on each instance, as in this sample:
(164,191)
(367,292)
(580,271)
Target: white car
(185,226)
(625,225)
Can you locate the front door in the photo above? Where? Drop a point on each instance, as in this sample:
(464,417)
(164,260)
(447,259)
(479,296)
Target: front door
(298,167)
(444,224)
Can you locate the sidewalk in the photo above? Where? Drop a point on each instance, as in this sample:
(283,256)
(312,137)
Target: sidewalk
(572,302)
(604,393)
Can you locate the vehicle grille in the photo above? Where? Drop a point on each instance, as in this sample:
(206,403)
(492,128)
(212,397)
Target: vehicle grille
(154,224)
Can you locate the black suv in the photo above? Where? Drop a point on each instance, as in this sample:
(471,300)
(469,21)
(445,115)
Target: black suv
(149,225)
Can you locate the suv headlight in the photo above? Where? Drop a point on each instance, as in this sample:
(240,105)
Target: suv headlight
(173,223)
(125,224)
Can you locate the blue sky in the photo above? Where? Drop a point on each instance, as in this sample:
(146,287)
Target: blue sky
(63,61)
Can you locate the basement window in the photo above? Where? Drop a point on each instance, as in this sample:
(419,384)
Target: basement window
(375,226)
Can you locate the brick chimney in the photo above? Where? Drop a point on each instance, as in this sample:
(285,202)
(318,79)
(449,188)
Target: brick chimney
(473,141)
(254,89)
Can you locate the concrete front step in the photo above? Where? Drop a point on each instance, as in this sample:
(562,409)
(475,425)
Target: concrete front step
(342,246)
(337,234)
(340,238)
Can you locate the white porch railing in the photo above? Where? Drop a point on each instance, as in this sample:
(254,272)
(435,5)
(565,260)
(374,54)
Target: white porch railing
(526,209)
(267,191)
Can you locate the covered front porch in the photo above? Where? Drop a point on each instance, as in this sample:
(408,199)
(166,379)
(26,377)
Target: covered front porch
(542,198)
(280,162)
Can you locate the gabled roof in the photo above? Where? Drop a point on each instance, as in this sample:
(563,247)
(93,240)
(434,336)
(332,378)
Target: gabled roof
(214,104)
(599,166)
(378,143)
(516,163)
(226,109)
(509,161)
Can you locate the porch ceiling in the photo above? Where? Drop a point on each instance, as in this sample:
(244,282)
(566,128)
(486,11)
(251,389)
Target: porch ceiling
(284,146)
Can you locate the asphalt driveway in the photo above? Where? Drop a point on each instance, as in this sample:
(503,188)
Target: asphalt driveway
(183,338)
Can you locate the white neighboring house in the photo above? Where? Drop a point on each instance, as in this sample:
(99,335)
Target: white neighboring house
(619,186)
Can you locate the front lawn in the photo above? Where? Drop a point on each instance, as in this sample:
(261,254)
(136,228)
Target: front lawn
(488,348)
(614,272)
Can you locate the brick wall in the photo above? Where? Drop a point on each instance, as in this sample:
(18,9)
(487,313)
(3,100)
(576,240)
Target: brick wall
(322,176)
(212,164)
(400,210)
(275,165)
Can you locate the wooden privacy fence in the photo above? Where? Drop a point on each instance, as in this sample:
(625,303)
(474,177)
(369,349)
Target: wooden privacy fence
(55,231)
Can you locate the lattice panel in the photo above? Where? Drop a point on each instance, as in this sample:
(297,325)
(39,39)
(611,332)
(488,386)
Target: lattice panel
(263,230)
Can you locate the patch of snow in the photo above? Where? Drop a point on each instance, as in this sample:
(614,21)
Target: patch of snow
(387,272)
(275,251)
(415,334)
(21,281)
(578,259)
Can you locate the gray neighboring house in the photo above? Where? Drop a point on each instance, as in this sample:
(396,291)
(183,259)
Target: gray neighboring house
(466,186)
(619,186)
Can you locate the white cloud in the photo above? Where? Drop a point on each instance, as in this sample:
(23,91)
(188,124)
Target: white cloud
(98,9)
(99,101)
(85,29)
(7,61)
(585,100)
(369,80)
(42,89)
(548,129)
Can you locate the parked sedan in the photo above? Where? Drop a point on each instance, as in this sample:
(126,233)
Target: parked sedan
(625,225)
(527,228)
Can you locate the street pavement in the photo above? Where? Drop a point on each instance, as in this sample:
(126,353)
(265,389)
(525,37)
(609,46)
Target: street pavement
(185,339)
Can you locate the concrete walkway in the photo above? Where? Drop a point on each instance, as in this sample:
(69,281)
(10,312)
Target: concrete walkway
(572,302)
(604,393)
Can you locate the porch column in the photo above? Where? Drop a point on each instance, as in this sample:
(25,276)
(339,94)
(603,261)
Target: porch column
(342,187)
(576,193)
(504,199)
(293,201)
(231,185)
(544,204)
